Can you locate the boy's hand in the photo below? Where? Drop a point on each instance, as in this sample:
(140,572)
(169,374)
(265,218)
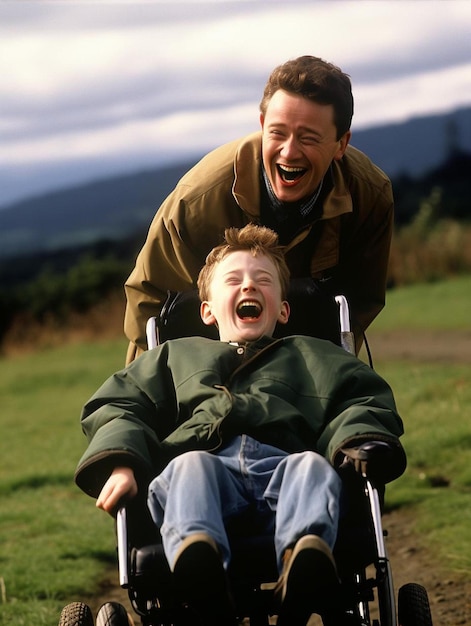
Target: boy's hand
(371,459)
(121,484)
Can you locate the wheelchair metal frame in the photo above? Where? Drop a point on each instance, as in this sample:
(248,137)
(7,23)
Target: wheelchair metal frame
(368,585)
(383,578)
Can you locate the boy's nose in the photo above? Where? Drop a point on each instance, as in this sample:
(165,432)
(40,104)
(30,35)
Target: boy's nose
(248,285)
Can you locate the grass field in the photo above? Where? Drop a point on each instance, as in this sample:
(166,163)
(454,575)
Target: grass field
(55,546)
(442,305)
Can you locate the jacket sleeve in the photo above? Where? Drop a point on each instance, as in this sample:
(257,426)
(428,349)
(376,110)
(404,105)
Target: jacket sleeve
(125,422)
(365,249)
(167,261)
(189,223)
(361,409)
(370,263)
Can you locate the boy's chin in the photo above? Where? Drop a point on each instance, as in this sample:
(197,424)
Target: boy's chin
(250,336)
(241,335)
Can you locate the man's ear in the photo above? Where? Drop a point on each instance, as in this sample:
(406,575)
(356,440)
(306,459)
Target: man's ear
(284,312)
(343,143)
(262,120)
(206,314)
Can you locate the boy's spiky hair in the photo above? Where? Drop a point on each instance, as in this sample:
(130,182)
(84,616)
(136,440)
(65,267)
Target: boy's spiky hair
(255,239)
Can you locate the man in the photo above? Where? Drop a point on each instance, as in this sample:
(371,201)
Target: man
(331,207)
(247,423)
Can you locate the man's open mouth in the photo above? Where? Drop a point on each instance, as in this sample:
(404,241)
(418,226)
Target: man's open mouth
(290,174)
(249,309)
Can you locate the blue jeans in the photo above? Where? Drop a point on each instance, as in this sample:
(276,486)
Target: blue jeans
(199,491)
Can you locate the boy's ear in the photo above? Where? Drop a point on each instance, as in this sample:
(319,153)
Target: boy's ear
(206,314)
(284,312)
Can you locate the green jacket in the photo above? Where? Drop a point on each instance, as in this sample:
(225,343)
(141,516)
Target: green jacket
(297,393)
(348,246)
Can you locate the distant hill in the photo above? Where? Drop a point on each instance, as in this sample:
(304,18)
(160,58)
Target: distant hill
(417,146)
(113,208)
(122,207)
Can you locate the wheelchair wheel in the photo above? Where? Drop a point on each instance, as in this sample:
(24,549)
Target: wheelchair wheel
(76,614)
(113,614)
(413,606)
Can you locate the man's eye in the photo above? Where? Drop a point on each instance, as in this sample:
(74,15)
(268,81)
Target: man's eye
(310,140)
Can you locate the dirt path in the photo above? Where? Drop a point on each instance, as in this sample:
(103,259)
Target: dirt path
(449,592)
(419,346)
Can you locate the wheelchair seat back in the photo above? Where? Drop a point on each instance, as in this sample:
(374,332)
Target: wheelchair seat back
(313,313)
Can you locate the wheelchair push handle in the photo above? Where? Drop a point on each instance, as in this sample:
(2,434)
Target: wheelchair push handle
(347,339)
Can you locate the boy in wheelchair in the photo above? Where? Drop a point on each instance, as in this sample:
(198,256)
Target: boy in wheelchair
(247,427)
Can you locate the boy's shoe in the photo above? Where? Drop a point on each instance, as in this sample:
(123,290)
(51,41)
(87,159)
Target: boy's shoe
(309,582)
(201,581)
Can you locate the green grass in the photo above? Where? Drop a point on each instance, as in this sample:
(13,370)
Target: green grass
(443,305)
(434,402)
(56,547)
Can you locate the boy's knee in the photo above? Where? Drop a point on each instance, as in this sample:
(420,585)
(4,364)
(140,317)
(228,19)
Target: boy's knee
(194,462)
(308,459)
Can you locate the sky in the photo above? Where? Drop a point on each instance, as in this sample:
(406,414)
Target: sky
(92,89)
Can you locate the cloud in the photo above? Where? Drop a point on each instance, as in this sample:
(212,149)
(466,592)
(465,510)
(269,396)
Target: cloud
(132,84)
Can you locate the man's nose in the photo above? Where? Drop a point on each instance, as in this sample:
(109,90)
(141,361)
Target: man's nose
(290,148)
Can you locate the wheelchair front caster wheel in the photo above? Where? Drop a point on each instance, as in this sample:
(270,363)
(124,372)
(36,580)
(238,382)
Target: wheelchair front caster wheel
(113,614)
(76,614)
(413,606)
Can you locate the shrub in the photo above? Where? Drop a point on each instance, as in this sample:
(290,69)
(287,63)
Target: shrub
(430,248)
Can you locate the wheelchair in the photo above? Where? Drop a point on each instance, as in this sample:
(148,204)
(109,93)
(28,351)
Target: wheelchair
(367,593)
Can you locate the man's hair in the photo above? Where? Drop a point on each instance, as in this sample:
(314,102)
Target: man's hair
(319,81)
(258,240)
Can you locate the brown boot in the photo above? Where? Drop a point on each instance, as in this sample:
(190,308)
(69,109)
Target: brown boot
(309,582)
(201,581)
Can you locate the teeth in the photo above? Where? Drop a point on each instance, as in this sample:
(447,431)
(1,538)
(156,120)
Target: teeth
(290,173)
(287,168)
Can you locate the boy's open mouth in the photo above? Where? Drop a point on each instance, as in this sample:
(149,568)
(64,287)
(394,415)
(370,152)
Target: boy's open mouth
(290,174)
(249,309)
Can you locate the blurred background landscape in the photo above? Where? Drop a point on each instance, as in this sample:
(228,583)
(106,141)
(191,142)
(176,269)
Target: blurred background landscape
(103,106)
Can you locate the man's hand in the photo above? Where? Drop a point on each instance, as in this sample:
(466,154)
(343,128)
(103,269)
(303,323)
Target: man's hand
(120,485)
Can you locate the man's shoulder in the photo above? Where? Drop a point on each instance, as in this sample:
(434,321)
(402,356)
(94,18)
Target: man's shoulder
(217,166)
(357,164)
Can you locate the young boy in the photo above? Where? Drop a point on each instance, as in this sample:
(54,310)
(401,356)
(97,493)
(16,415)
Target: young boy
(247,423)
